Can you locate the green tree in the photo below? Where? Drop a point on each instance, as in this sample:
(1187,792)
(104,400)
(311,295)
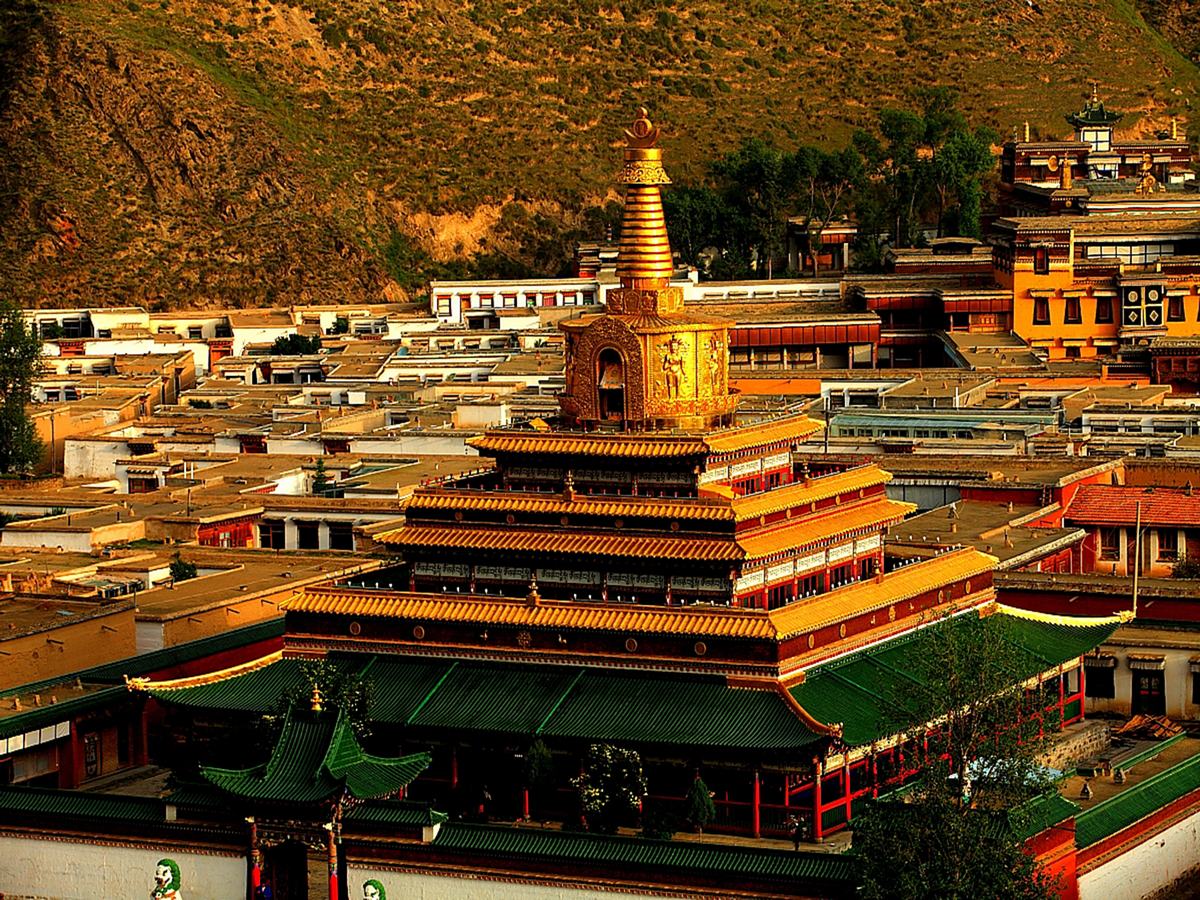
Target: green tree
(296,345)
(827,181)
(611,787)
(341,325)
(20,351)
(759,189)
(181,569)
(339,689)
(320,482)
(699,809)
(539,770)
(957,833)
(696,218)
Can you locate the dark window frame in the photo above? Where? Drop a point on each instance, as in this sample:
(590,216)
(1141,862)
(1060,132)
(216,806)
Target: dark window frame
(1072,311)
(1041,261)
(1041,311)
(1175,308)
(1104,310)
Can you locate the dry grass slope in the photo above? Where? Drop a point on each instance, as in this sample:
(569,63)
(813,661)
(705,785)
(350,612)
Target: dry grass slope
(243,151)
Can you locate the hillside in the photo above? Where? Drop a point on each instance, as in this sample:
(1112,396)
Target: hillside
(237,152)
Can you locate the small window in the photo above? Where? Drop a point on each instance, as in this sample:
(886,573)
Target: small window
(1196,687)
(1168,544)
(1175,308)
(1071,312)
(195,332)
(1041,261)
(1104,310)
(1099,683)
(1110,543)
(1041,311)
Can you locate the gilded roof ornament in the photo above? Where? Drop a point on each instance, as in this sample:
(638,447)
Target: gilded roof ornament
(643,133)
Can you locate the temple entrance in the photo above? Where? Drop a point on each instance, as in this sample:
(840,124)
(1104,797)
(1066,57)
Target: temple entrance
(610,385)
(287,870)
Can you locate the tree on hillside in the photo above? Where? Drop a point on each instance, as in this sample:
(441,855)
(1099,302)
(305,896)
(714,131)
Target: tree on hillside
(957,833)
(826,182)
(758,185)
(20,350)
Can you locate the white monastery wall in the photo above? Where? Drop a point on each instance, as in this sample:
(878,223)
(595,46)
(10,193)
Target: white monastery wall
(60,870)
(413,886)
(1149,867)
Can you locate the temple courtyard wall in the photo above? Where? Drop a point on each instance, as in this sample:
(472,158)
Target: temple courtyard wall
(1144,869)
(66,870)
(469,886)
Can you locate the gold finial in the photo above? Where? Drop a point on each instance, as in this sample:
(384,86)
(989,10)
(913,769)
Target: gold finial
(1174,128)
(533,598)
(316,699)
(1095,91)
(1026,131)
(642,134)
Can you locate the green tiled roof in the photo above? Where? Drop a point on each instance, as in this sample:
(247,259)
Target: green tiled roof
(555,701)
(1136,802)
(313,759)
(75,805)
(1040,813)
(50,714)
(860,691)
(396,812)
(832,870)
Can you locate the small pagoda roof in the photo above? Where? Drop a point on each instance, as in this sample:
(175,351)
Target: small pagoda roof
(859,690)
(1094,114)
(316,758)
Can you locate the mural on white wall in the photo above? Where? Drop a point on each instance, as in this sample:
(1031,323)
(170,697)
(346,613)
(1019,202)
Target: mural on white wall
(373,890)
(166,881)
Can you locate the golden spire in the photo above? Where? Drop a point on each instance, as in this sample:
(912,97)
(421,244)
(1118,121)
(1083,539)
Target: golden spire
(644,261)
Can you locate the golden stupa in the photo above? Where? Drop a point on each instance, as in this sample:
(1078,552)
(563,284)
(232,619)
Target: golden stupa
(647,363)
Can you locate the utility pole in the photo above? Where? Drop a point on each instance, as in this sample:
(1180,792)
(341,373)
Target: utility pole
(1137,552)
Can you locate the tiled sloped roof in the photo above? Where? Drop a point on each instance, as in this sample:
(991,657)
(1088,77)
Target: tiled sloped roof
(39,717)
(537,541)
(78,805)
(1104,504)
(256,690)
(834,523)
(622,446)
(823,873)
(679,710)
(865,692)
(562,701)
(770,432)
(1124,809)
(582,505)
(767,502)
(865,596)
(699,621)
(313,759)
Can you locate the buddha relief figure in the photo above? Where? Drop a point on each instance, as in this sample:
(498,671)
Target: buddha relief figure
(714,361)
(166,881)
(1148,184)
(673,367)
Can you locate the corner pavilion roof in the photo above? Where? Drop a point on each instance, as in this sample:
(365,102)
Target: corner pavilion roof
(316,758)
(860,690)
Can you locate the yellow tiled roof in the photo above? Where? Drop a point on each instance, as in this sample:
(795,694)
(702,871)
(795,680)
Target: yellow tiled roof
(486,611)
(792,428)
(809,491)
(802,532)
(797,618)
(511,501)
(538,541)
(620,446)
(865,596)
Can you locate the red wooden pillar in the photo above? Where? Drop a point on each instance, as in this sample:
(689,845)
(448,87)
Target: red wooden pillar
(525,804)
(846,786)
(1061,701)
(787,793)
(255,859)
(453,768)
(756,810)
(818,830)
(874,773)
(333,875)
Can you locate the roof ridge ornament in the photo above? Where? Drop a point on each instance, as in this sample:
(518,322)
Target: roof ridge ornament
(643,133)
